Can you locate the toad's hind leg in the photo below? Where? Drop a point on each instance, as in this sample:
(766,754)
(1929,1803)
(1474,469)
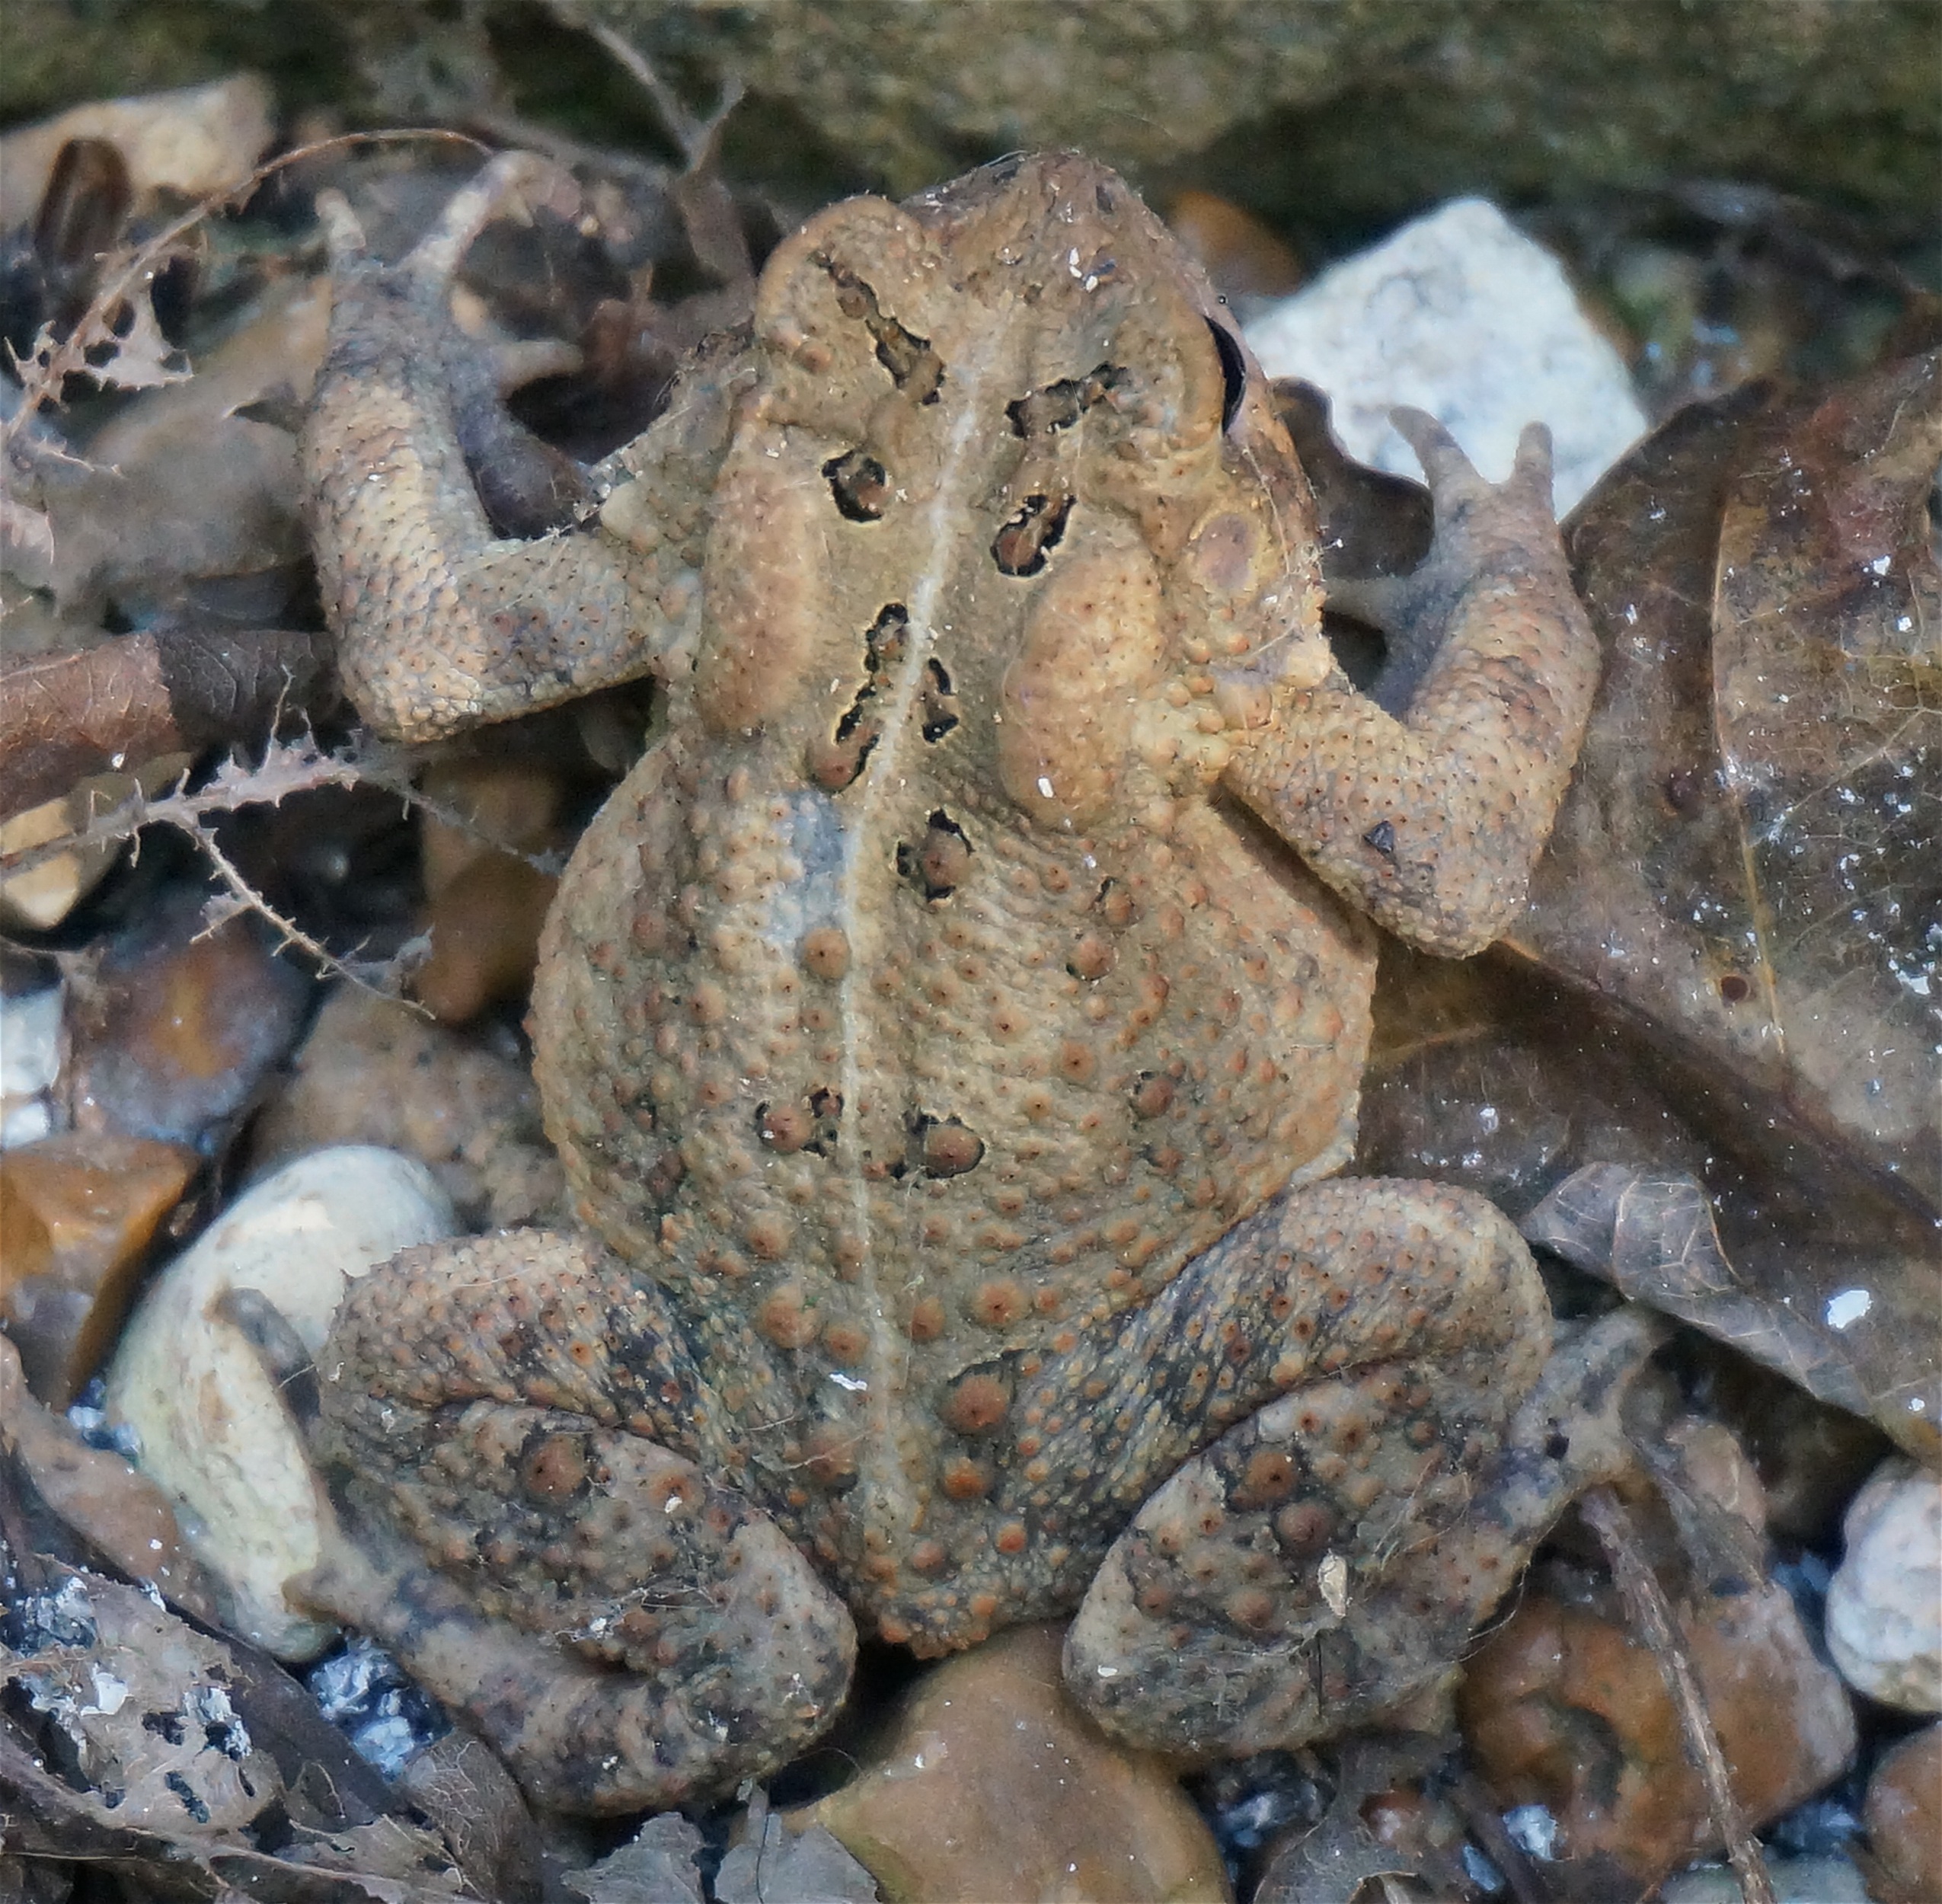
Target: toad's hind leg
(1324,1561)
(510,1421)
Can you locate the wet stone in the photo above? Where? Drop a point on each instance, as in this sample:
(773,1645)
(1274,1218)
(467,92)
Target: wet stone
(989,1784)
(1902,1816)
(1884,1606)
(374,1071)
(77,1214)
(175,1026)
(1566,1709)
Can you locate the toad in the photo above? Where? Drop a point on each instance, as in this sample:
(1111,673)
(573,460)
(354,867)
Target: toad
(951,1025)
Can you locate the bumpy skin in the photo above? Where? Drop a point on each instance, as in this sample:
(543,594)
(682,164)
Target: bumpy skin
(942,1044)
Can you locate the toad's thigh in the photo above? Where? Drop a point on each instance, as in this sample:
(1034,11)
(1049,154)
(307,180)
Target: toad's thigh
(1333,1444)
(508,1423)
(1429,1285)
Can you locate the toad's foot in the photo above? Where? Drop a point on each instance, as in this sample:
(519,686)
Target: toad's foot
(440,626)
(1325,1561)
(627,1633)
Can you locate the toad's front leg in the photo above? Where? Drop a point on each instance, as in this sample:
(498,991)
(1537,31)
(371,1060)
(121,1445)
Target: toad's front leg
(441,625)
(1431,817)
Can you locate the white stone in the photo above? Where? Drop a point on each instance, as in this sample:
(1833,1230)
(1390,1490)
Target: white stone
(1458,314)
(213,1429)
(24,1121)
(1884,1605)
(30,1063)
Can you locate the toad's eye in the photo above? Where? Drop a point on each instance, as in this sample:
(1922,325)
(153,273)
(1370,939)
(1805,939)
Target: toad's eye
(1234,372)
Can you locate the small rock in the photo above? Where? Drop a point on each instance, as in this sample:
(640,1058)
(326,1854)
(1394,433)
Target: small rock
(989,1784)
(1243,256)
(38,898)
(175,1026)
(387,1719)
(485,906)
(1884,1607)
(214,1428)
(1461,314)
(189,142)
(1903,1816)
(121,1514)
(76,1213)
(372,1071)
(484,929)
(515,802)
(30,1063)
(1564,1708)
(1797,1880)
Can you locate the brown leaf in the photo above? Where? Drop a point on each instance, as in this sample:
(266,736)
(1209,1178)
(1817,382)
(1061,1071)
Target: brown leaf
(1331,1863)
(772,1865)
(1746,869)
(459,1784)
(124,345)
(1746,861)
(1490,1074)
(140,1701)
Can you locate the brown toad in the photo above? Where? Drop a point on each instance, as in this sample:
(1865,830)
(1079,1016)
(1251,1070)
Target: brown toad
(943,1044)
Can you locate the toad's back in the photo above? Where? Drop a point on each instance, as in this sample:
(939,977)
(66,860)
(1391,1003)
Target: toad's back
(910,1006)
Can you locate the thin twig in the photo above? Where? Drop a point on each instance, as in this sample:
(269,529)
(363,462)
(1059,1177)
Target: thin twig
(1651,1616)
(695,137)
(288,767)
(1480,1813)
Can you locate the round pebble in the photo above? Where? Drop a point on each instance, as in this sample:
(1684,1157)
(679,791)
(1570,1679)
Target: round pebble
(1903,1816)
(989,1783)
(213,1427)
(1884,1606)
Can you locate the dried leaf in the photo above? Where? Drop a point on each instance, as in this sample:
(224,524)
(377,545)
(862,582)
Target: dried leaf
(126,349)
(780,1866)
(1330,1863)
(1654,1238)
(660,1864)
(1746,861)
(27,540)
(1745,872)
(142,1703)
(462,1786)
(1490,1074)
(386,1849)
